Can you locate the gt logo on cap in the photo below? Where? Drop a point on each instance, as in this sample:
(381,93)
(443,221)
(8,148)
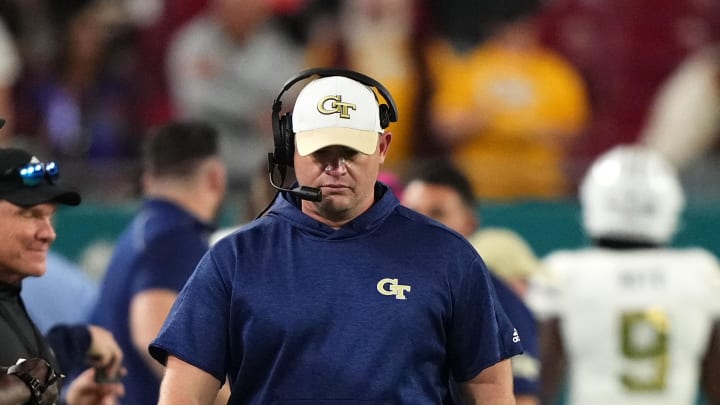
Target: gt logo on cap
(336,106)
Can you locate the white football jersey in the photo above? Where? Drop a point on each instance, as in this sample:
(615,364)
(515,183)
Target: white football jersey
(635,323)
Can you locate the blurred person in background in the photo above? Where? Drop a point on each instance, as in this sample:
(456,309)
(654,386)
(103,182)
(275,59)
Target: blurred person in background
(509,256)
(382,38)
(630,320)
(688,103)
(29,197)
(10,66)
(441,191)
(224,66)
(625,63)
(154,24)
(76,95)
(184,183)
(81,101)
(507,107)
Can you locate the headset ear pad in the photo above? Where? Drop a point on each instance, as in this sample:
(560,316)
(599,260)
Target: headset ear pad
(384,116)
(287,140)
(283,139)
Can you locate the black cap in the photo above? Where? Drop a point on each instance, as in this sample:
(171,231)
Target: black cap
(13,190)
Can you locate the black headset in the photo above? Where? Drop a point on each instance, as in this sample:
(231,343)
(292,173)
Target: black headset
(283,134)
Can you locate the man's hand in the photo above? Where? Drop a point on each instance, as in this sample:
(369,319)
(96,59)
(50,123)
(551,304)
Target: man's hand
(85,391)
(104,353)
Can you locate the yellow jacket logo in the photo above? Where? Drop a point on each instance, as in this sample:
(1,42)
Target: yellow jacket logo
(333,104)
(390,286)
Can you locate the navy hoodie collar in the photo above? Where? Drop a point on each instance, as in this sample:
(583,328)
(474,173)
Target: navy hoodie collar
(288,207)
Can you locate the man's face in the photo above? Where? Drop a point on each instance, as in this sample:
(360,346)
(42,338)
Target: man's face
(346,178)
(442,204)
(26,235)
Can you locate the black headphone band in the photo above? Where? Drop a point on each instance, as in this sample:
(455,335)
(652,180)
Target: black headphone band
(283,136)
(350,74)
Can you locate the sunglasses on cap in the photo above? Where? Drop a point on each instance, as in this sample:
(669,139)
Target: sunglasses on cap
(33,173)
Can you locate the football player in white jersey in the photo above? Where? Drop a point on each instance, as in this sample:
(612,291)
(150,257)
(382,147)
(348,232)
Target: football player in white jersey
(630,320)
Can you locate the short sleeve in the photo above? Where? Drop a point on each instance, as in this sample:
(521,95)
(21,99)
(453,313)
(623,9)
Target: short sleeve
(526,367)
(168,261)
(481,334)
(196,328)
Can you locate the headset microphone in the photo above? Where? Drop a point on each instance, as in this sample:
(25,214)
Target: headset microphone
(302,192)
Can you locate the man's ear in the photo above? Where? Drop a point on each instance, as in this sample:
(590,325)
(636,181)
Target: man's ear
(217,175)
(384,145)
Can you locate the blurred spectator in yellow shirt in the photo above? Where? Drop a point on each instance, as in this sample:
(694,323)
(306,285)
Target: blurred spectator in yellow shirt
(508,108)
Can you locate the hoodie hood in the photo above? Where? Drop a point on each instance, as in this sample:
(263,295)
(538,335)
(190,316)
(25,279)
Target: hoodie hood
(287,207)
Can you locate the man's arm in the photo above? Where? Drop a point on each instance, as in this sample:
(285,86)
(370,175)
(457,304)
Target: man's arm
(185,384)
(711,368)
(552,361)
(493,386)
(148,311)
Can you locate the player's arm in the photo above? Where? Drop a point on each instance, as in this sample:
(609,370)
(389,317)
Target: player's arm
(148,310)
(552,359)
(185,384)
(492,386)
(711,367)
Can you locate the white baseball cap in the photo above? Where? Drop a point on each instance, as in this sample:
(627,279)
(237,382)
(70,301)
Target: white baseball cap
(336,110)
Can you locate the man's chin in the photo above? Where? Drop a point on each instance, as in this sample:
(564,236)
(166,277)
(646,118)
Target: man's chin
(334,208)
(35,272)
(35,269)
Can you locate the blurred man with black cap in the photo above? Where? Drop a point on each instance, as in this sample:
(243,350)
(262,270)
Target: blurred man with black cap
(29,195)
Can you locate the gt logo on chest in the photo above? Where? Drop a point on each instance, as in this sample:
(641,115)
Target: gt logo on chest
(390,286)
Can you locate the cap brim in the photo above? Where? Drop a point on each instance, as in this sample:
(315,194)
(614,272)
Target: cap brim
(311,141)
(29,196)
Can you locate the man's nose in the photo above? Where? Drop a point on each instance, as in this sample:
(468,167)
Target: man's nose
(336,166)
(46,231)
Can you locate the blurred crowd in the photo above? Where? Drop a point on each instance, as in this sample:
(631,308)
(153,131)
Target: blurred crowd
(521,94)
